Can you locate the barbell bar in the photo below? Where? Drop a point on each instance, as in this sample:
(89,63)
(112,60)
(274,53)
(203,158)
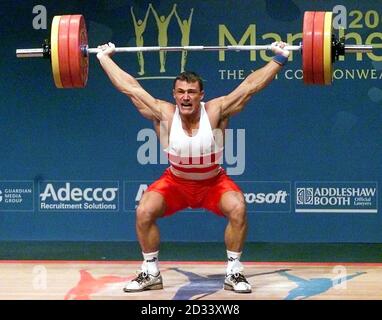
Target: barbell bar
(69,52)
(40,52)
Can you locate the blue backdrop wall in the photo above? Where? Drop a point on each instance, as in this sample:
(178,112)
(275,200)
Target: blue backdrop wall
(75,162)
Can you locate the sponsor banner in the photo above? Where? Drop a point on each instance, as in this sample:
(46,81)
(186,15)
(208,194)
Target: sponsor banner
(266,196)
(269,196)
(16,196)
(133,191)
(79,196)
(347,197)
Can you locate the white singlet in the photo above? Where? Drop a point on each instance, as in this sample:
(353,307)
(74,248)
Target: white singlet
(196,157)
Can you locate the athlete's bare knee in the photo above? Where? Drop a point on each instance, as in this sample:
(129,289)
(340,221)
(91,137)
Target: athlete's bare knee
(238,215)
(233,206)
(149,210)
(144,215)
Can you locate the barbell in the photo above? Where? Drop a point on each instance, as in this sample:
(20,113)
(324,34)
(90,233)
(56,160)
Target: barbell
(69,52)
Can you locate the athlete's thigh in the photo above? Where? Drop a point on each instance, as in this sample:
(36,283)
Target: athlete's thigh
(153,203)
(232,202)
(223,195)
(167,193)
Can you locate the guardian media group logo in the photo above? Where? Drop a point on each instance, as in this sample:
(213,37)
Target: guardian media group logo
(345,197)
(79,196)
(16,196)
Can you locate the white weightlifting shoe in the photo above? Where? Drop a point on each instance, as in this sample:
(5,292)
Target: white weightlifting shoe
(237,282)
(144,281)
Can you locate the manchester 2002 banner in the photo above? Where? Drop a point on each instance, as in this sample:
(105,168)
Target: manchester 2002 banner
(75,162)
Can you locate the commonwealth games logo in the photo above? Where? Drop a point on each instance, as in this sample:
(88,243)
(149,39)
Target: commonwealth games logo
(162,23)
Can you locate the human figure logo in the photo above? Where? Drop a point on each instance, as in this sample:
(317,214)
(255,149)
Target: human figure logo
(162,23)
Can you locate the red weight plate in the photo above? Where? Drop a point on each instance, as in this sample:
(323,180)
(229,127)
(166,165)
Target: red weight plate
(63,51)
(307,49)
(318,48)
(79,64)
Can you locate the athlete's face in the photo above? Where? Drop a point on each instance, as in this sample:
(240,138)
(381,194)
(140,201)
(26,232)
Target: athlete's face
(187,96)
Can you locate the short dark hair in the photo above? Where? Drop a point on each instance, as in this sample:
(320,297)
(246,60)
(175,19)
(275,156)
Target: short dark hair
(189,76)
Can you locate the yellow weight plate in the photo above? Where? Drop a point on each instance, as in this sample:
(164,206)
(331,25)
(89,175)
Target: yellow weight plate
(54,51)
(328,64)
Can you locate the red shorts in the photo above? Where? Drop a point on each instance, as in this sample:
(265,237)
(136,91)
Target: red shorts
(181,193)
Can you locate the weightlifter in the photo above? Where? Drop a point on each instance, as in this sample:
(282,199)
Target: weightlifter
(194,179)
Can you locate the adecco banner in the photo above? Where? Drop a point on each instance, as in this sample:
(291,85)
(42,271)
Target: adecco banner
(79,196)
(74,163)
